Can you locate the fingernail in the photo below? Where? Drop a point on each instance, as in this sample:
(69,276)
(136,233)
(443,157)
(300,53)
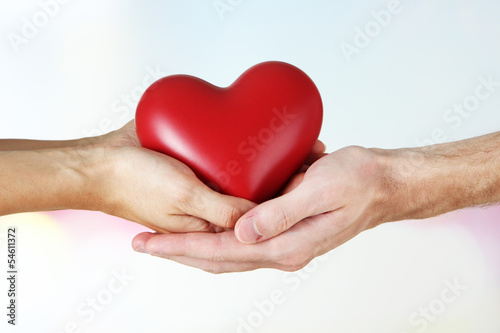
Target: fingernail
(248,232)
(140,249)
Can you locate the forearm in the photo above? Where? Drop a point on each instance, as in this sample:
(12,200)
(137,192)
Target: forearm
(49,179)
(437,179)
(24,145)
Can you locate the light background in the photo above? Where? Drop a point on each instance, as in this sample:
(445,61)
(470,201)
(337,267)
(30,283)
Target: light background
(78,76)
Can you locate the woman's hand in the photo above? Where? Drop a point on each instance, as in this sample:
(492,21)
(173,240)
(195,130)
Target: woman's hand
(160,192)
(113,174)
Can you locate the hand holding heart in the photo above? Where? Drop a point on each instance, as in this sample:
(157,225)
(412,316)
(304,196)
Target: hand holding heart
(337,197)
(158,191)
(331,199)
(210,128)
(245,140)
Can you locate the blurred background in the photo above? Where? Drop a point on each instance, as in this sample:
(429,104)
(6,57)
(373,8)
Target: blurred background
(391,74)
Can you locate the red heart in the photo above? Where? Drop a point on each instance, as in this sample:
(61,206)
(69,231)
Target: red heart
(245,140)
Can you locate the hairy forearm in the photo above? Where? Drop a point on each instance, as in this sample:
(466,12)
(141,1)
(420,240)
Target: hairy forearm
(433,180)
(49,179)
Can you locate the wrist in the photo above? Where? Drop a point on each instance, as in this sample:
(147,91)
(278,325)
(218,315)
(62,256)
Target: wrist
(411,186)
(91,167)
(389,198)
(103,162)
(406,184)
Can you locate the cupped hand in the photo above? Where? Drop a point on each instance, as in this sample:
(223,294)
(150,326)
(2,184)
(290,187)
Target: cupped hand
(337,197)
(158,191)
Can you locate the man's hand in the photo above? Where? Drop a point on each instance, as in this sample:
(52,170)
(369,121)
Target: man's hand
(339,196)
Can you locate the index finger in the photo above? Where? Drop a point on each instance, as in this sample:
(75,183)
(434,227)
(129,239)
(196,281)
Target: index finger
(218,247)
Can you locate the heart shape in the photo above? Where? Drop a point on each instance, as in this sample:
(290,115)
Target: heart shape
(245,140)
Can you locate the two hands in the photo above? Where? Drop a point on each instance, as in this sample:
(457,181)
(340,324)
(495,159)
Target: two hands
(322,207)
(337,196)
(114,174)
(334,197)
(331,200)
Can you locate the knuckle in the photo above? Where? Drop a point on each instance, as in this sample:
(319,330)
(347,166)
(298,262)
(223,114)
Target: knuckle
(280,221)
(184,196)
(217,256)
(189,197)
(228,216)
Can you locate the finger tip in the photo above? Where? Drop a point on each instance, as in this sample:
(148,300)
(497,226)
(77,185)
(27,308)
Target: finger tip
(319,147)
(139,241)
(164,244)
(247,232)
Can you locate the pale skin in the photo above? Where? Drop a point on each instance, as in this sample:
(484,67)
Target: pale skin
(336,198)
(112,174)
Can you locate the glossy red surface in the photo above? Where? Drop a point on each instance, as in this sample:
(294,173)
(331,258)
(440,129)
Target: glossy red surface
(245,140)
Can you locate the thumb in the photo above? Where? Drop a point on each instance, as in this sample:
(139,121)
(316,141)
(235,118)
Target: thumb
(277,215)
